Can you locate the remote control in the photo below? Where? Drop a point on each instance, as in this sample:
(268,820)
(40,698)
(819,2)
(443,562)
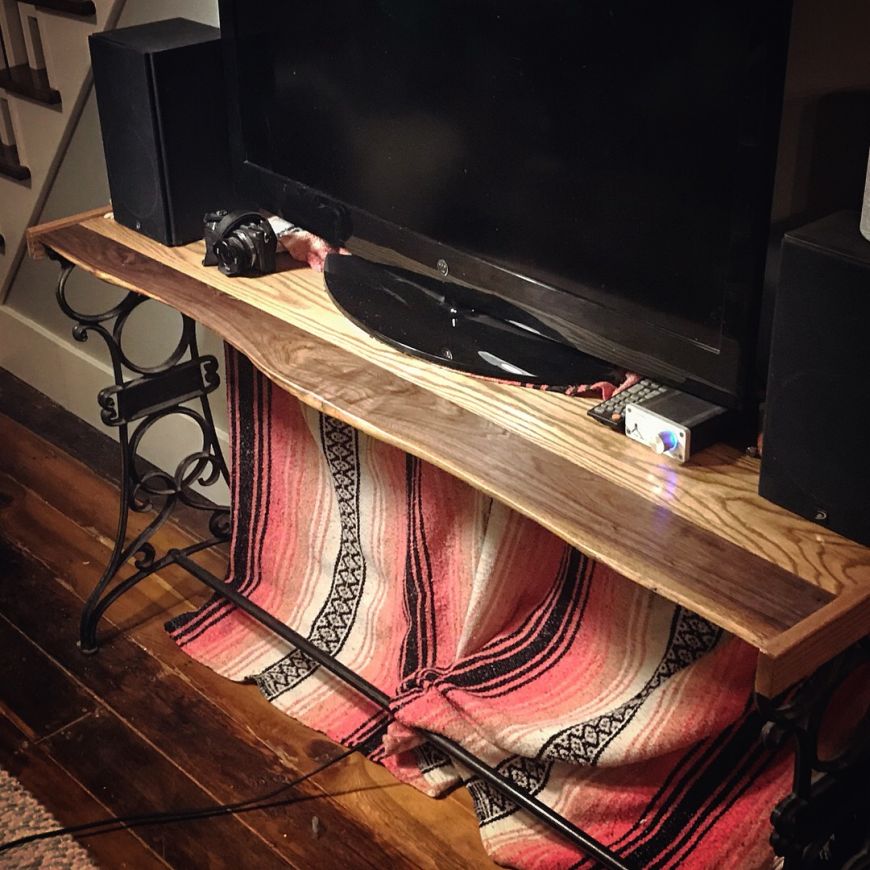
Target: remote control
(611,412)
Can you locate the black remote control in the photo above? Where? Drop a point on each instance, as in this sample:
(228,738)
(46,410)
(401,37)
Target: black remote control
(611,412)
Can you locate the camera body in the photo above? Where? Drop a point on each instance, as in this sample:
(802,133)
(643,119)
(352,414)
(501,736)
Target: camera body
(239,243)
(211,222)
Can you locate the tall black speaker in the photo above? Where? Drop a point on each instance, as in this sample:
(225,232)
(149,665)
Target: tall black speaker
(816,457)
(161,99)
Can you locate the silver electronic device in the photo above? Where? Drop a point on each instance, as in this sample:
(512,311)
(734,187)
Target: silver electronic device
(675,424)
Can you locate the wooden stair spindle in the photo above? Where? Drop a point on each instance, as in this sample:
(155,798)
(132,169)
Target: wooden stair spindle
(4,58)
(11,36)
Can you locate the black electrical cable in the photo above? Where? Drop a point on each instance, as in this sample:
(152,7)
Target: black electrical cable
(117,823)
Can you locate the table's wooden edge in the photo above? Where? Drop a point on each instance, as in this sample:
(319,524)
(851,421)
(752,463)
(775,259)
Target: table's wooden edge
(33,235)
(783,659)
(804,647)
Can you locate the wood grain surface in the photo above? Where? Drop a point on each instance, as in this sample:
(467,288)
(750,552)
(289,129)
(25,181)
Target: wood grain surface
(698,534)
(35,248)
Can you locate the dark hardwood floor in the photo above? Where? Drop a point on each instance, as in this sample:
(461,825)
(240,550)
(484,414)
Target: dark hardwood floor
(140,727)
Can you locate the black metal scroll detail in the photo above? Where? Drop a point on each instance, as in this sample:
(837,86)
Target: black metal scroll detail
(825,821)
(177,386)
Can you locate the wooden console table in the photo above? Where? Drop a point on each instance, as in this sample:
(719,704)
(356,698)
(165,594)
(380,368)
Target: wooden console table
(699,535)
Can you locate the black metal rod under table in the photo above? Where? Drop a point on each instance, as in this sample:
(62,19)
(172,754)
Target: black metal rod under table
(589,845)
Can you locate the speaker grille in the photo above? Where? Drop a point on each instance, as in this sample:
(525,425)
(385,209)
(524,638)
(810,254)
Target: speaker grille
(816,460)
(161,100)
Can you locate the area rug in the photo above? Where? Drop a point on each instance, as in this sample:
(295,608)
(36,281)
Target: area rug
(628,714)
(21,814)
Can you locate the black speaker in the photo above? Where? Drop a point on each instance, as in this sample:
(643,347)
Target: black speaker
(162,104)
(816,454)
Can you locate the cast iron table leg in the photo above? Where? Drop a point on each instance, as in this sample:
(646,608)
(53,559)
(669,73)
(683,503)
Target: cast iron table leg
(138,399)
(825,821)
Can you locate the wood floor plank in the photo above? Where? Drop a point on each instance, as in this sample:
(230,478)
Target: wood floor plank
(36,695)
(25,583)
(130,777)
(77,556)
(70,803)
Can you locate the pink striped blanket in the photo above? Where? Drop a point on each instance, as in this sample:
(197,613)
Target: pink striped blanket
(628,714)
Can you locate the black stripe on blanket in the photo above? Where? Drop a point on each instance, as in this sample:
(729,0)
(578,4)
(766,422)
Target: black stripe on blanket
(333,624)
(726,775)
(419,647)
(706,782)
(691,638)
(541,648)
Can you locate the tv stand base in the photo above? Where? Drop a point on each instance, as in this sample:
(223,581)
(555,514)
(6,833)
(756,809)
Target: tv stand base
(133,406)
(457,326)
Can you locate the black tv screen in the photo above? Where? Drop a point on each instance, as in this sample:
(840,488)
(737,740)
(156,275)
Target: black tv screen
(606,165)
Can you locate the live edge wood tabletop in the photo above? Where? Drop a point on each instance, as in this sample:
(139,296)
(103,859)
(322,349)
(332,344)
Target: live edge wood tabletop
(699,535)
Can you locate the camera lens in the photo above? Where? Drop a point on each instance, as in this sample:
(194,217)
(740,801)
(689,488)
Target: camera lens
(235,254)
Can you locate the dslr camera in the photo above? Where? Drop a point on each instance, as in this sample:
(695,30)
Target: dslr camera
(239,243)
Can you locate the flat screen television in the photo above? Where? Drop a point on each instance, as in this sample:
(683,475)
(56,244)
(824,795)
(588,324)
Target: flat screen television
(604,167)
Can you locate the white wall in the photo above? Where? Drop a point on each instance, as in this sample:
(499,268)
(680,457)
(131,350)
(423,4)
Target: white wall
(35,337)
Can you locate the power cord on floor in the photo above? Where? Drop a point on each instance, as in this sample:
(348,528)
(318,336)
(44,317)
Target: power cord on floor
(117,823)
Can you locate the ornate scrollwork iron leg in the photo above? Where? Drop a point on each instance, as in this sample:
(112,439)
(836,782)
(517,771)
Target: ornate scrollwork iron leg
(140,397)
(825,821)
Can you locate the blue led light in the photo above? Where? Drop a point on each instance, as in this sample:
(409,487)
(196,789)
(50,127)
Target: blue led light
(666,441)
